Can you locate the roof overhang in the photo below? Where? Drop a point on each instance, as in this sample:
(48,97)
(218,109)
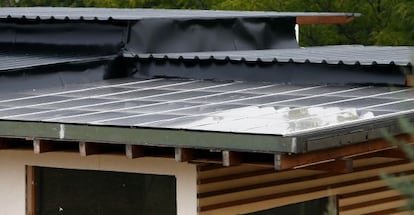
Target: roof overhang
(51,137)
(333,19)
(104,14)
(148,137)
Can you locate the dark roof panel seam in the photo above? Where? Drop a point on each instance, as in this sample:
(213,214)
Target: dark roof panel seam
(12,63)
(334,55)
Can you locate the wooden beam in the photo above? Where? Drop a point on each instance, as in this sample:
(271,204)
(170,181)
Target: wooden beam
(41,146)
(184,155)
(201,167)
(31,190)
(364,192)
(409,80)
(231,158)
(278,182)
(335,166)
(389,211)
(298,192)
(257,173)
(310,20)
(372,202)
(283,161)
(86,148)
(134,151)
(391,153)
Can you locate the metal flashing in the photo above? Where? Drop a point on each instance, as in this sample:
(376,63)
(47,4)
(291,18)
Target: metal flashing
(105,14)
(354,55)
(17,61)
(147,136)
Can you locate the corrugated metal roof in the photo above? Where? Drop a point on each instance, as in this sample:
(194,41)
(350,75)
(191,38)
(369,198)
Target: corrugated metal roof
(348,55)
(61,13)
(14,61)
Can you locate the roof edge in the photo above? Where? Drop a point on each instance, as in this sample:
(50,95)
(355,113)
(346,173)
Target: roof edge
(131,14)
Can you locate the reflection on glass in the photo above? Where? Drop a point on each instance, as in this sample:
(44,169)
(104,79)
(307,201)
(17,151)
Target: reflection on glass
(272,120)
(315,117)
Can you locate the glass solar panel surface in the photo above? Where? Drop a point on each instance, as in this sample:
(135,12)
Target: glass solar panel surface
(239,107)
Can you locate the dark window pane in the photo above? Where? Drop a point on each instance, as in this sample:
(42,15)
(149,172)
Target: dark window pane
(314,207)
(72,192)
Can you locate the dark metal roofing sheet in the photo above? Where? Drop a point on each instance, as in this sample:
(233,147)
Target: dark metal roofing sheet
(283,112)
(345,54)
(16,61)
(61,13)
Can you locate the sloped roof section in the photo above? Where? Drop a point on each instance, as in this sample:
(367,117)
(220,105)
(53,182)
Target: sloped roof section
(347,55)
(18,61)
(246,116)
(61,13)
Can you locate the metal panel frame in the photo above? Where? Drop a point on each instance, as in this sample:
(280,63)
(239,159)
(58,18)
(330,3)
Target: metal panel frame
(150,137)
(105,14)
(301,143)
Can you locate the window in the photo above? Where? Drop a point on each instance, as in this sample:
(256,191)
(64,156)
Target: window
(314,207)
(67,191)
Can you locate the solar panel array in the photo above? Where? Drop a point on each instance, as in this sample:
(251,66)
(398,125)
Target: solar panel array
(240,107)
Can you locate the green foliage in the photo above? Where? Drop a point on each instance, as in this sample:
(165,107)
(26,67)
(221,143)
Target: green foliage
(404,186)
(401,183)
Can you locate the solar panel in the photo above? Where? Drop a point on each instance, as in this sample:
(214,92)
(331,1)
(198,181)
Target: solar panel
(201,105)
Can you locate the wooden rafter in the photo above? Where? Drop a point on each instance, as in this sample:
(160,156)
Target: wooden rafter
(409,80)
(41,146)
(391,153)
(231,158)
(86,148)
(134,151)
(283,162)
(335,166)
(310,20)
(184,155)
(335,160)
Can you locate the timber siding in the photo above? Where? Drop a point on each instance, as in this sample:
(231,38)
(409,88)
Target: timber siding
(246,189)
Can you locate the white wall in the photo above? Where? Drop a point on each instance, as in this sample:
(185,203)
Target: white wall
(13,174)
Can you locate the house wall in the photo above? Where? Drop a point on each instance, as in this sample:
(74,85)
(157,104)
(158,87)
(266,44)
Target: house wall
(247,189)
(13,174)
(223,190)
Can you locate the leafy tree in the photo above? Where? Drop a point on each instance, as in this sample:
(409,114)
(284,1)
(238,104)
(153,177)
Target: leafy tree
(401,183)
(7,3)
